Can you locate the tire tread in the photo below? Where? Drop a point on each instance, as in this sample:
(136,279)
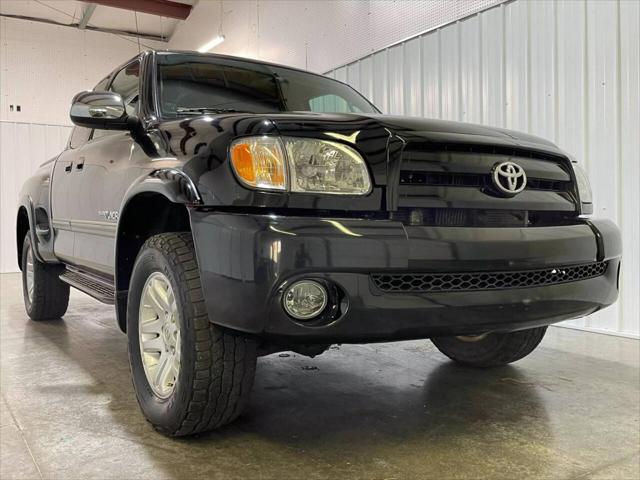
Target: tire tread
(50,294)
(510,347)
(222,379)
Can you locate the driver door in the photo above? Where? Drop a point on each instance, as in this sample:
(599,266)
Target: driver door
(103,179)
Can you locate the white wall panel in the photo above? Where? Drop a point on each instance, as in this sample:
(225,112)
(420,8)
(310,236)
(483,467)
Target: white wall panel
(412,77)
(516,40)
(366,77)
(567,71)
(450,72)
(380,81)
(470,71)
(431,98)
(571,78)
(23,147)
(396,84)
(43,66)
(542,64)
(493,67)
(311,34)
(341,74)
(353,76)
(629,165)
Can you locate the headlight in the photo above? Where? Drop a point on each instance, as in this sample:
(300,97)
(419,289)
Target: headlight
(584,189)
(322,166)
(300,165)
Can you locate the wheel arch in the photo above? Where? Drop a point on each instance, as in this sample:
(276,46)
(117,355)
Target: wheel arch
(23,225)
(156,203)
(26,222)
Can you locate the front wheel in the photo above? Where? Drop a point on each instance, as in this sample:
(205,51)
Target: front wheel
(491,349)
(189,375)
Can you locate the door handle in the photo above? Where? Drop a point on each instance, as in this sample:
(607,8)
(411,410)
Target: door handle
(68,167)
(80,164)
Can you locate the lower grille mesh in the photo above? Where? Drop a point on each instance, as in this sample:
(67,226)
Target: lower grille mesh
(451,282)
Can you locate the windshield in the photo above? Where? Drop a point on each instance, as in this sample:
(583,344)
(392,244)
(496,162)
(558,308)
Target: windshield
(191,84)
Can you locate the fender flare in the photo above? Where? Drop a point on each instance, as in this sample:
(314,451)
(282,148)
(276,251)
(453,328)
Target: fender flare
(170,182)
(175,186)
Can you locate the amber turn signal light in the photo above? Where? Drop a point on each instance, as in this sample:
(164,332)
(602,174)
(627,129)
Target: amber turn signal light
(259,162)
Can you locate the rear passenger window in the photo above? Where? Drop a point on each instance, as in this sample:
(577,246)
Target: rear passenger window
(79,136)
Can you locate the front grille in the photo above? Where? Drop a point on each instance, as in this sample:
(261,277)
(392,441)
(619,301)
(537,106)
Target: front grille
(466,281)
(476,217)
(447,179)
(460,176)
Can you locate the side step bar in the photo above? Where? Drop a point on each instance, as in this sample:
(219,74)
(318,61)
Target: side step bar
(94,286)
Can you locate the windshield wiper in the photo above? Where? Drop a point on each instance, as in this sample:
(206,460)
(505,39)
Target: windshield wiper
(196,110)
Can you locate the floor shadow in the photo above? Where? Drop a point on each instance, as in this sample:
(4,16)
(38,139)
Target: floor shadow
(454,397)
(334,414)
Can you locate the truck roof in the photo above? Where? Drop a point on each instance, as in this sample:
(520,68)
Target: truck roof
(233,57)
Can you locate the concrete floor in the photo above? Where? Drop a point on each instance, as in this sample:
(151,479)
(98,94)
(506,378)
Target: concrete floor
(570,410)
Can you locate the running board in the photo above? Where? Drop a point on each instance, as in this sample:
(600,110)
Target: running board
(92,285)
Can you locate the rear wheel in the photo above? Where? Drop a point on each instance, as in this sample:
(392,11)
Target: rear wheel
(189,375)
(46,297)
(491,349)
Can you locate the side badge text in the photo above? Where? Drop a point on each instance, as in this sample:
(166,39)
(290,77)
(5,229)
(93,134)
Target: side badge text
(109,215)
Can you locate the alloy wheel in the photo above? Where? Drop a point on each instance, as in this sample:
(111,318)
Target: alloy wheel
(159,334)
(29,274)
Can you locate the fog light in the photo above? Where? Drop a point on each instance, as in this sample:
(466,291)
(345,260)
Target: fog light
(305,299)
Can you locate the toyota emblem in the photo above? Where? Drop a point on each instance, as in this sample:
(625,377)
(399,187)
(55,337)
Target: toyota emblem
(509,178)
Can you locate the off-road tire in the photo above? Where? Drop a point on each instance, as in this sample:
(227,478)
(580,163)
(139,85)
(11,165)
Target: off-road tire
(50,297)
(493,350)
(217,366)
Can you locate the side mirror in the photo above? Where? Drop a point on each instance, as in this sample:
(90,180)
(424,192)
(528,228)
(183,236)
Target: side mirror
(102,110)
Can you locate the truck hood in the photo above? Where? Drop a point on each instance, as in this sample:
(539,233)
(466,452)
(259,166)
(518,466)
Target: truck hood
(416,129)
(187,135)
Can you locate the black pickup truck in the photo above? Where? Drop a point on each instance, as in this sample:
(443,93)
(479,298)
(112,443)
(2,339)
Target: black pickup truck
(233,208)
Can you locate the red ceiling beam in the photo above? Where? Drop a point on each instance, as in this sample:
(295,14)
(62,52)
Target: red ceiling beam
(163,8)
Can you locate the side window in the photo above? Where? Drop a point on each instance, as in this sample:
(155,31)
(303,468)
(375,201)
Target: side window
(126,83)
(79,136)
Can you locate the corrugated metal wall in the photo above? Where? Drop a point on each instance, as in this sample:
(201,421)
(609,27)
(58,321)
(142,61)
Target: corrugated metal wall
(23,147)
(567,71)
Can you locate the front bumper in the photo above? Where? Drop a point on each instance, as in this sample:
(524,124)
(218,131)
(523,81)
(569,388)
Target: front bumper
(246,259)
